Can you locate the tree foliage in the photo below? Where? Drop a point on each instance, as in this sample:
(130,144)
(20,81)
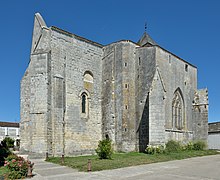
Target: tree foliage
(104,150)
(8,142)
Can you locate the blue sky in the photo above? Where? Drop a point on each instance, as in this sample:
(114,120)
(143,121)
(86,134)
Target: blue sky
(188,28)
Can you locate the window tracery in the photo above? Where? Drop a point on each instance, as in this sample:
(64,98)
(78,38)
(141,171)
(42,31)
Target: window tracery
(177,111)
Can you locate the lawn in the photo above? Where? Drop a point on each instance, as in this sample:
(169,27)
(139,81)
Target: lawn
(125,159)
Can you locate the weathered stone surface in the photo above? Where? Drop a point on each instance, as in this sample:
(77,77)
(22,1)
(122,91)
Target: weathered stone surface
(76,92)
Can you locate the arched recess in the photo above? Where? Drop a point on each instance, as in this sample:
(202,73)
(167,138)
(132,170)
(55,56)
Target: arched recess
(88,81)
(178,110)
(88,76)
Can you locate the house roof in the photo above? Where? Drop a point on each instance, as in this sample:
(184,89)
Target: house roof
(214,127)
(9,124)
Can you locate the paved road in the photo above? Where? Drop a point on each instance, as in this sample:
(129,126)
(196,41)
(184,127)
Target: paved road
(200,168)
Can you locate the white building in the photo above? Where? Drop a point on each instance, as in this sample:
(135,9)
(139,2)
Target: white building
(214,135)
(10,129)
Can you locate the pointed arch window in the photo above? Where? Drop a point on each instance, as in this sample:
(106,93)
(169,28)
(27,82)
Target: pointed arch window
(178,110)
(84,104)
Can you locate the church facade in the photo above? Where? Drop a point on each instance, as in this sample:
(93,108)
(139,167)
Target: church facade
(76,92)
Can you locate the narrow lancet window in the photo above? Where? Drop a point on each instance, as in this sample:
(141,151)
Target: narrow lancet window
(84,98)
(83,103)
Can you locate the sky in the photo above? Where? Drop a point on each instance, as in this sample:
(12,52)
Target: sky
(188,28)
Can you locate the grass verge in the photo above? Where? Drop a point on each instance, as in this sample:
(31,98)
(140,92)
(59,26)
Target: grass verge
(120,160)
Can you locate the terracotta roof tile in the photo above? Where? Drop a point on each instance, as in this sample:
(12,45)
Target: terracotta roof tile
(9,124)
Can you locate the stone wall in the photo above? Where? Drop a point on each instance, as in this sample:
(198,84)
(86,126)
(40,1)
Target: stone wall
(128,102)
(118,105)
(157,111)
(108,94)
(200,114)
(51,93)
(145,70)
(74,132)
(35,98)
(34,92)
(177,74)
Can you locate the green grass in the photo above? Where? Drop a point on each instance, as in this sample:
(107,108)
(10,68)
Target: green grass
(125,159)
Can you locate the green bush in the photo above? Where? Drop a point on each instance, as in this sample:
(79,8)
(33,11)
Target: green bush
(4,152)
(104,150)
(154,149)
(8,142)
(195,145)
(173,146)
(17,166)
(188,146)
(199,146)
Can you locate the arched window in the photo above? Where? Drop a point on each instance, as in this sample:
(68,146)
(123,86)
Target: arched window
(83,103)
(177,110)
(84,97)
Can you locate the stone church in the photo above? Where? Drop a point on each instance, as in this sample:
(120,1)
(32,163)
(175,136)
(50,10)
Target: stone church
(76,92)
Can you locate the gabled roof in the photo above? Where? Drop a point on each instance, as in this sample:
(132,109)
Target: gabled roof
(146,39)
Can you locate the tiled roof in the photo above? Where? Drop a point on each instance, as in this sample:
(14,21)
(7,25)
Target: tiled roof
(9,124)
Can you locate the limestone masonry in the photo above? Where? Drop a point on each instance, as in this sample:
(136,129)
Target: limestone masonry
(76,92)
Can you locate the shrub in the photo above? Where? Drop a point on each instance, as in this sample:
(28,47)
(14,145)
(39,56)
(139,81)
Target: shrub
(154,149)
(173,146)
(188,146)
(4,152)
(199,145)
(104,150)
(17,166)
(8,142)
(196,145)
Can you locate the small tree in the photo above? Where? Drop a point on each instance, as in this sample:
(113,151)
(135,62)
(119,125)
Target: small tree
(104,149)
(8,142)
